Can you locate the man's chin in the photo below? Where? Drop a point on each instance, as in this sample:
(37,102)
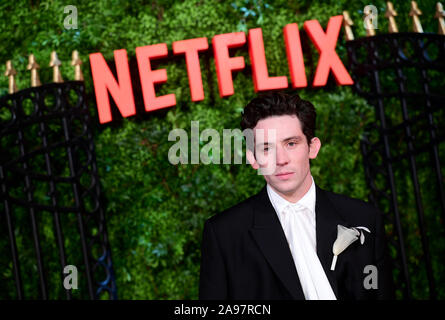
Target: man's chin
(286,187)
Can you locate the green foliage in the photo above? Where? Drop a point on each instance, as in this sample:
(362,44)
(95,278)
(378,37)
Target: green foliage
(155,211)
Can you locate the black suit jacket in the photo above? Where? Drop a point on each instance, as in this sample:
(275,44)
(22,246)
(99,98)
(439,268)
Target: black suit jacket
(245,254)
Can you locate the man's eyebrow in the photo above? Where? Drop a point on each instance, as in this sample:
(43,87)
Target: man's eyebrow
(298,138)
(261,144)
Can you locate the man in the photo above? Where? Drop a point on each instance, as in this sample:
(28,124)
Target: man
(279,243)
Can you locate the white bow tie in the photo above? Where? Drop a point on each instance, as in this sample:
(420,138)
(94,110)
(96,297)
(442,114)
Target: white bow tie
(299,227)
(302,211)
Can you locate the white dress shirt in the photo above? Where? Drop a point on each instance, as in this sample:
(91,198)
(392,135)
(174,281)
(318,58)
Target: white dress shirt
(298,223)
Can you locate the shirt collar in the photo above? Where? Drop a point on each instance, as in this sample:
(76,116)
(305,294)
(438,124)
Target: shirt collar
(279,203)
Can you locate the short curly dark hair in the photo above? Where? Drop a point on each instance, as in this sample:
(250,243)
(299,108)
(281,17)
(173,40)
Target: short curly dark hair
(278,104)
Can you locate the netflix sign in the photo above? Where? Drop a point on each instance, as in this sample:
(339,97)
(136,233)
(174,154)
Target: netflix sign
(121,88)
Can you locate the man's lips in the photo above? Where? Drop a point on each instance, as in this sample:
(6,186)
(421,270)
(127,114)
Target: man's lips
(284,175)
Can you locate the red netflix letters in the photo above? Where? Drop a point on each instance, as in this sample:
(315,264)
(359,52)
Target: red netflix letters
(223,63)
(122,92)
(150,77)
(261,79)
(191,48)
(294,56)
(325,44)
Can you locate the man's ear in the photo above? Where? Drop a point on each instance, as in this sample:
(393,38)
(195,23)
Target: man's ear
(251,158)
(314,147)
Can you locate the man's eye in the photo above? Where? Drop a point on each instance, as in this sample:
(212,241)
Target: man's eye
(292,144)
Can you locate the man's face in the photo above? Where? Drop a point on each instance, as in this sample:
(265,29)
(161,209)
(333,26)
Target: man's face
(282,151)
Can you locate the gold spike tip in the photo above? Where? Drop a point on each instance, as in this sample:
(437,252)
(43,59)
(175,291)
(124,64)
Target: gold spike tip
(10,71)
(414,13)
(347,23)
(440,14)
(76,62)
(75,58)
(439,11)
(32,64)
(390,11)
(390,14)
(54,62)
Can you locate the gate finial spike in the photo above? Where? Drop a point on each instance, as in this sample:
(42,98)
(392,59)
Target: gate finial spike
(390,14)
(368,25)
(10,73)
(347,23)
(415,13)
(76,62)
(33,66)
(55,64)
(440,14)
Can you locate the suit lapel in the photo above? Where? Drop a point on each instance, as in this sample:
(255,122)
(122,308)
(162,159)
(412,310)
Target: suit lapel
(327,218)
(270,237)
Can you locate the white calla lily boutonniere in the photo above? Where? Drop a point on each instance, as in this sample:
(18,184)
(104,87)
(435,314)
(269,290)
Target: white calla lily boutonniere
(345,237)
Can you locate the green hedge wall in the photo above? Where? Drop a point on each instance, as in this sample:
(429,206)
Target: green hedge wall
(156,210)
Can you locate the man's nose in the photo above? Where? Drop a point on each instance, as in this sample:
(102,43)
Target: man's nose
(282,156)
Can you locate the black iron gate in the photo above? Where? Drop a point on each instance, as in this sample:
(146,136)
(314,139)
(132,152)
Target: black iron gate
(49,187)
(49,193)
(403,76)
